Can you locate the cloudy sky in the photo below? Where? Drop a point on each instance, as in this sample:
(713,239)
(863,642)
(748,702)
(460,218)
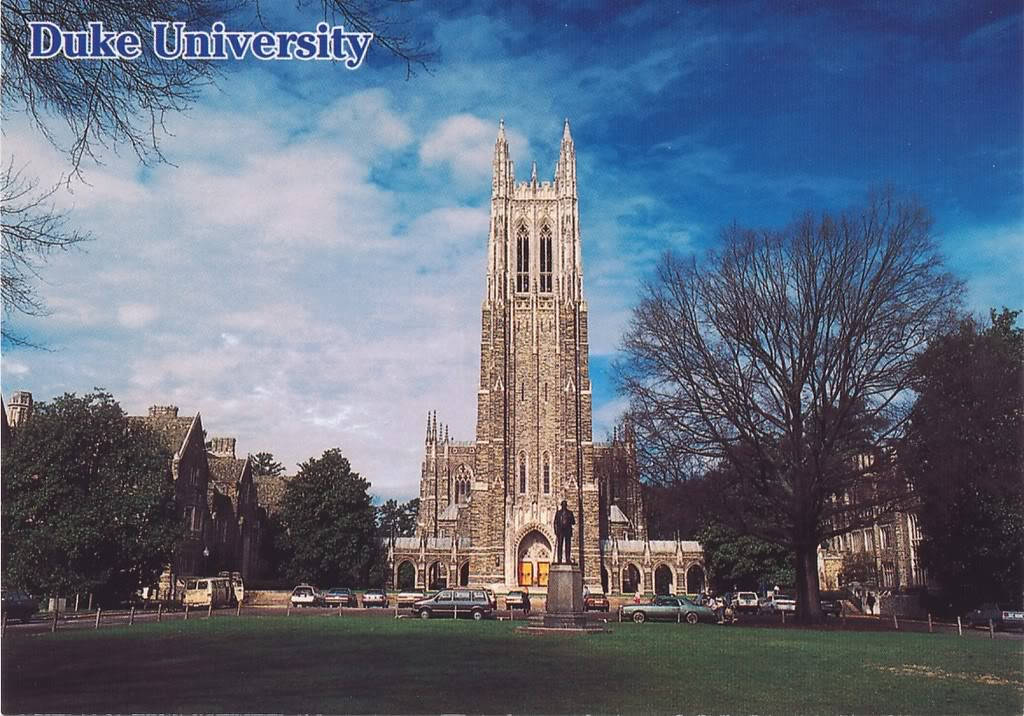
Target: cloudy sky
(308,270)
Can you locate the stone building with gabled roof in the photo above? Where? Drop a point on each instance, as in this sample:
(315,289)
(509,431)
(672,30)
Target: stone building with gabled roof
(233,502)
(185,439)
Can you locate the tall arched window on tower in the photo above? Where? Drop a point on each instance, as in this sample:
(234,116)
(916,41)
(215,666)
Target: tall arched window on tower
(522,473)
(522,260)
(545,259)
(547,474)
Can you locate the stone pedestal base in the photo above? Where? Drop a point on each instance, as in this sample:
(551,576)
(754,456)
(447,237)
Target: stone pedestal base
(565,589)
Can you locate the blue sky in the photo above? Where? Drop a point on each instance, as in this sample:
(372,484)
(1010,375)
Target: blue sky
(308,273)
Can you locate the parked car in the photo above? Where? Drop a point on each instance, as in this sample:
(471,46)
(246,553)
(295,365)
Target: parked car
(746,602)
(375,598)
(1002,617)
(452,602)
(668,608)
(19,605)
(340,597)
(832,603)
(208,592)
(784,602)
(595,602)
(518,599)
(305,595)
(408,597)
(766,605)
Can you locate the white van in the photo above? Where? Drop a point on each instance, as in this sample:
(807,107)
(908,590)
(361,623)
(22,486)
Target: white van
(207,591)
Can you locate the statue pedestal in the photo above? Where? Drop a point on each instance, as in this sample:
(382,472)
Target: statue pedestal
(565,598)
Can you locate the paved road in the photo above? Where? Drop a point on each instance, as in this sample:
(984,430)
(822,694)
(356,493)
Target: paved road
(41,623)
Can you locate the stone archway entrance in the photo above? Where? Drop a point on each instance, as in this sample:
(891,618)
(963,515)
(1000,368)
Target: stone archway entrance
(695,579)
(533,560)
(630,579)
(406,575)
(464,575)
(663,580)
(437,576)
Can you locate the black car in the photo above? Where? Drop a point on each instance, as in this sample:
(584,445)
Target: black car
(832,603)
(19,605)
(341,597)
(455,602)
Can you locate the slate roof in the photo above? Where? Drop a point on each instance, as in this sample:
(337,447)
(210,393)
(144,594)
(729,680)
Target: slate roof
(171,429)
(225,472)
(270,489)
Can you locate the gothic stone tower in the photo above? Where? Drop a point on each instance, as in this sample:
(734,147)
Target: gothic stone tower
(491,503)
(534,400)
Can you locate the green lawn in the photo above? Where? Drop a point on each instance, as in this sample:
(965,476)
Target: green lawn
(332,664)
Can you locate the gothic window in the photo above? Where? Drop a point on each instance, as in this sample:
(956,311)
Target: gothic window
(547,474)
(545,260)
(522,473)
(522,260)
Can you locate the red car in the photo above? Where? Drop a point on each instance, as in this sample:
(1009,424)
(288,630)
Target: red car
(595,602)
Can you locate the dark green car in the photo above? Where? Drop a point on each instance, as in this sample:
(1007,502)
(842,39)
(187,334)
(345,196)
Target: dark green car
(668,608)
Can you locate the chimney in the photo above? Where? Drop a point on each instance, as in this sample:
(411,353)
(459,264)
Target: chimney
(221,447)
(163,411)
(20,408)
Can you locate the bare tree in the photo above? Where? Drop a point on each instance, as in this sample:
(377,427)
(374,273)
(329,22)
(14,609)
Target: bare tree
(30,231)
(786,357)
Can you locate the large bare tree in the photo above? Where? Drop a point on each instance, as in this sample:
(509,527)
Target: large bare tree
(785,358)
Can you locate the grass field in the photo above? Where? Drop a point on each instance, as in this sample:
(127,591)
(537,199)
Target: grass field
(331,664)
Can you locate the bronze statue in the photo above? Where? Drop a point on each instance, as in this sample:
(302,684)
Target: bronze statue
(564,520)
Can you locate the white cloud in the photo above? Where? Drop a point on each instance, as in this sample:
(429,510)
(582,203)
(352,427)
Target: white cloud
(136,315)
(466,144)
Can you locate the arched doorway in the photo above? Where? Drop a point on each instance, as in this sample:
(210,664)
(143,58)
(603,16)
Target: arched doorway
(663,580)
(534,558)
(437,576)
(464,575)
(695,579)
(630,579)
(406,575)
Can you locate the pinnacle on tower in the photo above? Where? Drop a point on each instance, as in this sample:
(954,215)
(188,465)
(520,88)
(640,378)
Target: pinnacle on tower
(533,174)
(566,135)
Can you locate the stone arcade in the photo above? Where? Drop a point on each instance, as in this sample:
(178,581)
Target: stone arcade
(486,507)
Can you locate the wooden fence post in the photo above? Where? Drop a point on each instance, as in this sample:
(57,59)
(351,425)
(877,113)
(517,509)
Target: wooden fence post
(56,613)
(238,609)
(991,629)
(131,617)
(160,611)
(209,609)
(186,612)
(3,624)
(929,622)
(895,623)
(959,626)
(90,602)
(98,610)
(77,595)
